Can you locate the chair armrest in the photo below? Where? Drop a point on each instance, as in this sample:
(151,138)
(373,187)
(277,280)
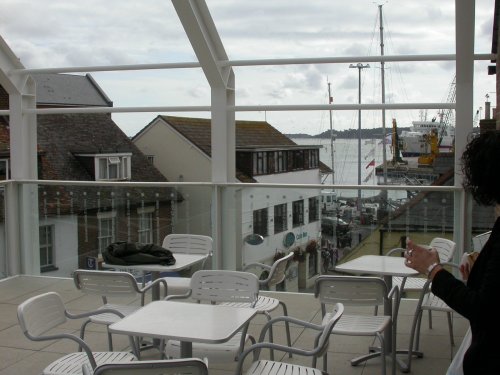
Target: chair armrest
(396,250)
(257,265)
(178,296)
(94,312)
(151,285)
(257,347)
(288,319)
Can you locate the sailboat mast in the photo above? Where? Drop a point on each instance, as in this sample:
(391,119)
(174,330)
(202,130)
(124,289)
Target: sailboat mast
(332,152)
(382,72)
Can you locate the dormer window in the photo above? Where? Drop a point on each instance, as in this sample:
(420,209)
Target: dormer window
(105,167)
(112,167)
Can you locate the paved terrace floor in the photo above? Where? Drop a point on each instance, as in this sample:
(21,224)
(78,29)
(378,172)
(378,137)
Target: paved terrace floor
(20,356)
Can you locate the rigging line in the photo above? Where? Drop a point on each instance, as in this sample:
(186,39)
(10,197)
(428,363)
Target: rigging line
(397,66)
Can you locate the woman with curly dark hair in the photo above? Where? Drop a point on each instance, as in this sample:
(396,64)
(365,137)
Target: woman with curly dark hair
(477,300)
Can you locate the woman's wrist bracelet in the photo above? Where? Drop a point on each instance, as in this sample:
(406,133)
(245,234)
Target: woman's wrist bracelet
(431,269)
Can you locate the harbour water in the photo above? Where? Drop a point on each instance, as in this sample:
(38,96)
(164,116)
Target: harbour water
(346,161)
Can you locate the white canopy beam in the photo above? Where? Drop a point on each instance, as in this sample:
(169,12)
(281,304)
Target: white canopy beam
(21,249)
(202,33)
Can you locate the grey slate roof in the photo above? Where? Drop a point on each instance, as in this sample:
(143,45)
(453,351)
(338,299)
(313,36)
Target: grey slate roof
(69,90)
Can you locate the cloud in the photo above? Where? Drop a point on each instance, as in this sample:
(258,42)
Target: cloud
(60,33)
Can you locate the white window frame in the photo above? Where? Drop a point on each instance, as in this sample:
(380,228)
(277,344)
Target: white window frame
(121,161)
(47,247)
(145,227)
(105,239)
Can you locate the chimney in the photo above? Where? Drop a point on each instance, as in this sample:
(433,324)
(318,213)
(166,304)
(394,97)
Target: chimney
(487,110)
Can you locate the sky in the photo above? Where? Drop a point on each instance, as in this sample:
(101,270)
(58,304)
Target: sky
(61,33)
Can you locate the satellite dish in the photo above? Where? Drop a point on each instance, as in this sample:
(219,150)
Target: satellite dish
(254,239)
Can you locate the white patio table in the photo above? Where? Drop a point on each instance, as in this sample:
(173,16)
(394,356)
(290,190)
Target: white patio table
(186,322)
(182,261)
(387,267)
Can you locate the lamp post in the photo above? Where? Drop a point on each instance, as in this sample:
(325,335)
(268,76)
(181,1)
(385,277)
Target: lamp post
(359,66)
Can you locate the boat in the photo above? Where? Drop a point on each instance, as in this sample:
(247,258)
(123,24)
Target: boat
(415,142)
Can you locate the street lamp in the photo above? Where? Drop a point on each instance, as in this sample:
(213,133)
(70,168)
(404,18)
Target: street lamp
(359,66)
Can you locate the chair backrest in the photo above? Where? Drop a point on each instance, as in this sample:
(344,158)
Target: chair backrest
(40,314)
(350,290)
(188,243)
(224,286)
(277,273)
(106,283)
(480,240)
(187,366)
(444,247)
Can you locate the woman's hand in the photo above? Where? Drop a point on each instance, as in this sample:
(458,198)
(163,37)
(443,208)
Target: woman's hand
(420,258)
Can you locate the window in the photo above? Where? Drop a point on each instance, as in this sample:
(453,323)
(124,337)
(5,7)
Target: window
(145,231)
(151,158)
(106,235)
(280,161)
(298,213)
(113,167)
(46,239)
(313,209)
(260,163)
(297,159)
(313,159)
(280,216)
(260,222)
(4,169)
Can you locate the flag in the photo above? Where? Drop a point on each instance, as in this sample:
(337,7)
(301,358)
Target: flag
(370,164)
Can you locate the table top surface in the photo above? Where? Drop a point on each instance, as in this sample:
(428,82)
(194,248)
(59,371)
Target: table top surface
(182,261)
(377,265)
(185,321)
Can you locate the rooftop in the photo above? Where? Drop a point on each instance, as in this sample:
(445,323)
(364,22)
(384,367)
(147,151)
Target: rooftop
(18,355)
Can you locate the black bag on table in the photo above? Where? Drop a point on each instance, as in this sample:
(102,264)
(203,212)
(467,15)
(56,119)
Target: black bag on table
(128,253)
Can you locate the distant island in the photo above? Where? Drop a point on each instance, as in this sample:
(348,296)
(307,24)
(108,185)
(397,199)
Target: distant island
(375,133)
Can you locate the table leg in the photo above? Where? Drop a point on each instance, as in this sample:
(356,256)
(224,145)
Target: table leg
(155,292)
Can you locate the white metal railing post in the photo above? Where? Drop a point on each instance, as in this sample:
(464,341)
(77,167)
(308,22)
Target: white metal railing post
(464,42)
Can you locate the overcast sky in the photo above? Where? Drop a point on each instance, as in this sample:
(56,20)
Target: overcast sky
(60,33)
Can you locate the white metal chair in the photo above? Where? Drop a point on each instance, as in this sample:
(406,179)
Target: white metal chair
(428,301)
(44,312)
(320,348)
(111,284)
(361,291)
(265,304)
(217,286)
(446,250)
(187,366)
(188,244)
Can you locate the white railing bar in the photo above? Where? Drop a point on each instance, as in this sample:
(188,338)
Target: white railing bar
(351,59)
(238,185)
(254,62)
(239,108)
(341,107)
(108,68)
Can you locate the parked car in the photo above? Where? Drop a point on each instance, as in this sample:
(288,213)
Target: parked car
(328,223)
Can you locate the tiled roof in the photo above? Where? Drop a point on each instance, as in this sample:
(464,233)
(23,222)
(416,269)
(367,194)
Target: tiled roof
(61,137)
(248,133)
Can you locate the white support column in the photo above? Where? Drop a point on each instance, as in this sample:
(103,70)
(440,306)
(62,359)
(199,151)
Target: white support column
(464,41)
(21,215)
(202,33)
